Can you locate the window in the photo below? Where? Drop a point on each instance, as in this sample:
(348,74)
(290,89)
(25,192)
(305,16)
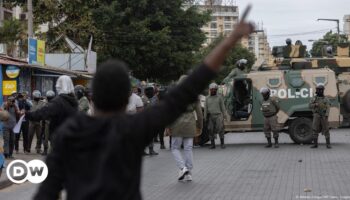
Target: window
(227,19)
(228,26)
(213,25)
(227,32)
(213,19)
(320,79)
(213,33)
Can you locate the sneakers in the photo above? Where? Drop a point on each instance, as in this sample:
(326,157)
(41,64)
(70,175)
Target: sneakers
(183,173)
(188,177)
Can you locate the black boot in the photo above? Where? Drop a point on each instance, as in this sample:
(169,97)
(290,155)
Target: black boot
(315,143)
(269,144)
(276,142)
(328,143)
(152,152)
(222,141)
(212,142)
(162,146)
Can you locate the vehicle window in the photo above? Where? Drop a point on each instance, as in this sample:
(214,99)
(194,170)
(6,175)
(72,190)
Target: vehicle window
(274,82)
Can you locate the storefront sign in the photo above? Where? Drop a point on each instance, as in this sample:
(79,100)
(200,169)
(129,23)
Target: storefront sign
(12,71)
(36,51)
(8,87)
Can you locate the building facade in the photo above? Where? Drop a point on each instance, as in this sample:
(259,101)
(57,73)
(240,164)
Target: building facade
(223,19)
(257,43)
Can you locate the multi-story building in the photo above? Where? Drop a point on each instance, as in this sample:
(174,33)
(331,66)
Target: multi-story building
(223,19)
(257,43)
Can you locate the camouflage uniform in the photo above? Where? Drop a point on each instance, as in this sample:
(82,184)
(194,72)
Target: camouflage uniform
(320,107)
(35,127)
(84,104)
(214,113)
(269,109)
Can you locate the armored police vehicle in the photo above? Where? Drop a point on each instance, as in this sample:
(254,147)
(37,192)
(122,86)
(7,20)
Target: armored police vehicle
(292,80)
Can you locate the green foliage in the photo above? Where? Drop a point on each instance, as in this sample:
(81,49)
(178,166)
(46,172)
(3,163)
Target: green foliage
(156,38)
(12,32)
(235,54)
(329,39)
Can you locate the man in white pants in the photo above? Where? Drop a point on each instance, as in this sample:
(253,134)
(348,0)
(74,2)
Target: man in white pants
(183,132)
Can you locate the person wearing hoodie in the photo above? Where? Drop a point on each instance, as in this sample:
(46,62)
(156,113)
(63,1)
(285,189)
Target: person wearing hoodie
(60,108)
(100,156)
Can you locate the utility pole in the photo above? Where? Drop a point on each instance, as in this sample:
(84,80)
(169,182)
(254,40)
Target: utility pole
(30,18)
(334,20)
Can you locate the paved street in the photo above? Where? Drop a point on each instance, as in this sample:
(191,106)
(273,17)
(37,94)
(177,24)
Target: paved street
(245,170)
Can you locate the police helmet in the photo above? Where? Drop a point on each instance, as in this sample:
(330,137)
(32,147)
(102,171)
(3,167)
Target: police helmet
(79,90)
(320,86)
(50,94)
(213,86)
(329,50)
(288,41)
(242,61)
(264,90)
(36,94)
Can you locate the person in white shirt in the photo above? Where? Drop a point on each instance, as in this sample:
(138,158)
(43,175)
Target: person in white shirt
(135,104)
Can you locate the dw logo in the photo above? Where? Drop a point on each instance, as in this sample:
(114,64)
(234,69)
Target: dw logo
(19,171)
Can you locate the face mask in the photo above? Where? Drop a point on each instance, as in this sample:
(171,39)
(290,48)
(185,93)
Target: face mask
(320,93)
(266,96)
(36,99)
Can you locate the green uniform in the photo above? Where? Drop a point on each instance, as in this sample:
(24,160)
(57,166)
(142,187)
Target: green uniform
(235,72)
(214,114)
(84,104)
(320,107)
(270,108)
(35,127)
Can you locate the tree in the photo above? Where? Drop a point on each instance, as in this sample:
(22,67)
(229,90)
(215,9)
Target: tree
(156,38)
(11,32)
(329,39)
(237,53)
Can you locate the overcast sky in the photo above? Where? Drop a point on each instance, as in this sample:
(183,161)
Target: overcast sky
(282,17)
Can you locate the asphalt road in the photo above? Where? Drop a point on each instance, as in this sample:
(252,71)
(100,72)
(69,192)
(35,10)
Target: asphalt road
(245,170)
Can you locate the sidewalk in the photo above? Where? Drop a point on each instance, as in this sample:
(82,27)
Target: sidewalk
(4,182)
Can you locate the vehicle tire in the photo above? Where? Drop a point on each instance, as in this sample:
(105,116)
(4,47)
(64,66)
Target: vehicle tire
(346,101)
(300,130)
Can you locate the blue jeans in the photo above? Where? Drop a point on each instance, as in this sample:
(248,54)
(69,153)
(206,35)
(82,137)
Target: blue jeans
(187,159)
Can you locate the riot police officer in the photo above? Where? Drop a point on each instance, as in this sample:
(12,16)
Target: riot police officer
(240,67)
(270,108)
(320,106)
(83,102)
(214,114)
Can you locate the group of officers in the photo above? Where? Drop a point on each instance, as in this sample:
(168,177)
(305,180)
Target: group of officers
(215,112)
(19,104)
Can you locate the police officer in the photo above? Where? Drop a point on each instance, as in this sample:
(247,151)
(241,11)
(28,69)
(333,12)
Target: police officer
(288,42)
(35,127)
(214,114)
(270,108)
(239,70)
(83,102)
(46,124)
(320,106)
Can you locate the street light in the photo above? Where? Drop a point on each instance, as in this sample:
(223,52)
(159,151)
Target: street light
(333,20)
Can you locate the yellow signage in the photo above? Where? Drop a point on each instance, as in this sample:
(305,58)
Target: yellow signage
(41,52)
(8,87)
